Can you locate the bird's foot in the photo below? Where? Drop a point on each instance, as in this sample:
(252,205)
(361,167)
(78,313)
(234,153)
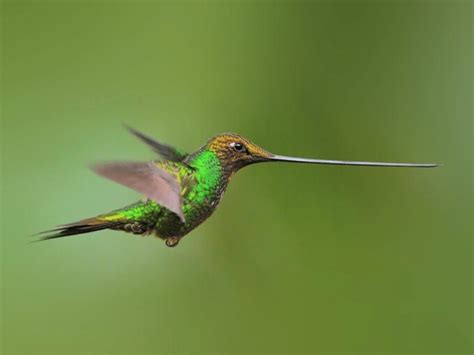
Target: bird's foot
(172,241)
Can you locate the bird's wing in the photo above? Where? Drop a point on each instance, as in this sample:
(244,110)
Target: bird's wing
(166,151)
(147,178)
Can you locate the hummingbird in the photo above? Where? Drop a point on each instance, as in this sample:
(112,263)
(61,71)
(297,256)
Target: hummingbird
(182,190)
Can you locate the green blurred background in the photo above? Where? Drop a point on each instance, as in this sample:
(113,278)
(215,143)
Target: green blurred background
(298,259)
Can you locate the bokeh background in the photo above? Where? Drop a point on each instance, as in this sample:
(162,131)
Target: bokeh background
(298,258)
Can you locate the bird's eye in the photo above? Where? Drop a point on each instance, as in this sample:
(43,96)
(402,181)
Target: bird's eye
(238,147)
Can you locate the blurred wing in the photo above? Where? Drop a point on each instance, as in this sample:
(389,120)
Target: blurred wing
(148,179)
(166,151)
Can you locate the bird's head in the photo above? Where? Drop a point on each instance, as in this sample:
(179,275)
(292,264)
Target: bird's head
(235,152)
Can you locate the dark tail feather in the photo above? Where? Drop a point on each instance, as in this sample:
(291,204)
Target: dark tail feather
(80,227)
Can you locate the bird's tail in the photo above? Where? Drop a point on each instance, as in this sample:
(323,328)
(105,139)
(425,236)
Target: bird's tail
(123,219)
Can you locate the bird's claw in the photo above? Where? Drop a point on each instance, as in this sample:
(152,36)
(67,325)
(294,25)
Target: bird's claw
(172,241)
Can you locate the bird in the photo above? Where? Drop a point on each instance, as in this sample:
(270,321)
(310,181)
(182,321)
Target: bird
(182,190)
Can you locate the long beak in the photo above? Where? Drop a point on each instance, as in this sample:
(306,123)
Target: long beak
(344,162)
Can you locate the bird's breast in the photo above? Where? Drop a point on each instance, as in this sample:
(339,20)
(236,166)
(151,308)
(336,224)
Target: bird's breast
(200,202)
